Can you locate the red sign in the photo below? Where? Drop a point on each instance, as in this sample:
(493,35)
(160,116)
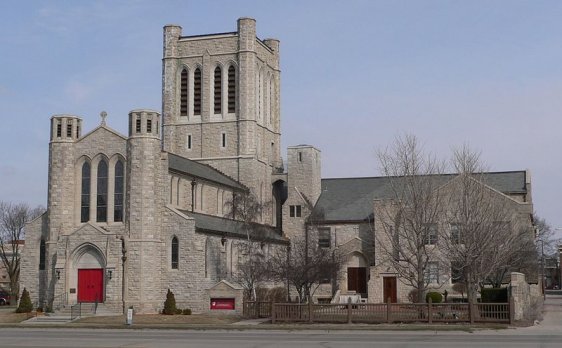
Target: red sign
(222,303)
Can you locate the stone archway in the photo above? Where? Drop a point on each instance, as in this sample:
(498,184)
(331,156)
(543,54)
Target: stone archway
(87,274)
(357,273)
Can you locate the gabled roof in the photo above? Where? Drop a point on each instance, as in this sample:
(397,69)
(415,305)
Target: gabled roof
(233,228)
(351,199)
(203,171)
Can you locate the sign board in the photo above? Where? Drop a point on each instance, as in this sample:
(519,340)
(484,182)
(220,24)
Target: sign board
(130,316)
(223,303)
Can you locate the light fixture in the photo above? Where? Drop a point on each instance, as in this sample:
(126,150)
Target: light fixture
(109,274)
(223,240)
(58,274)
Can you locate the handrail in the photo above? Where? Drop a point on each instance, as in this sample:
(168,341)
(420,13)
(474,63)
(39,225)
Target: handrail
(76,311)
(60,301)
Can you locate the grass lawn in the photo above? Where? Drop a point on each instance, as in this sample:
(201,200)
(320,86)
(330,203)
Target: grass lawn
(8,315)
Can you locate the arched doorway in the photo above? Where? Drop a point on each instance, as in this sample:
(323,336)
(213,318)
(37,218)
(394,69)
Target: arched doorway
(357,274)
(87,274)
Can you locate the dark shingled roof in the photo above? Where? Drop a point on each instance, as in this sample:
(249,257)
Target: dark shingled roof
(233,228)
(351,199)
(203,171)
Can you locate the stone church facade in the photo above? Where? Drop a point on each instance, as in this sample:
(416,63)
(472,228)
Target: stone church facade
(130,216)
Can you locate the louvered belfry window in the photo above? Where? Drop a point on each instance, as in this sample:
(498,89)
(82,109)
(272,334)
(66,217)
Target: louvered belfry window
(197,92)
(231,90)
(218,91)
(183,93)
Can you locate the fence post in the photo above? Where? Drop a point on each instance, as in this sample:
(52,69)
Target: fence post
(511,309)
(471,312)
(429,310)
(388,306)
(272,312)
(310,310)
(349,310)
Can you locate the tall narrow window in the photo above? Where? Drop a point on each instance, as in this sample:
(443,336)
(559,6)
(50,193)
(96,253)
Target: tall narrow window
(197,92)
(231,90)
(138,125)
(430,234)
(77,131)
(183,93)
(69,129)
(149,126)
(85,194)
(218,91)
(59,130)
(42,255)
(189,141)
(118,195)
(175,253)
(101,208)
(324,240)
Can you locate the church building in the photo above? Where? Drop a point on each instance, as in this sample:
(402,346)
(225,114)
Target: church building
(130,216)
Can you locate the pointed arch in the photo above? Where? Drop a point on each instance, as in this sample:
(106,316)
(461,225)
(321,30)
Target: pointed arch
(197,91)
(183,91)
(231,89)
(119,191)
(217,90)
(175,250)
(102,188)
(85,192)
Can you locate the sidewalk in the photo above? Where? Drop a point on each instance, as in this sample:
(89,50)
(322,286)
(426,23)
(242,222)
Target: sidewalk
(552,317)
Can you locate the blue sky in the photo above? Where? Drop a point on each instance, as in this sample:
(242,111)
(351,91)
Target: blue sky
(355,74)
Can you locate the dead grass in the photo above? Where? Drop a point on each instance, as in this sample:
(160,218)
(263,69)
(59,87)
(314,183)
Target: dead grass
(9,317)
(160,319)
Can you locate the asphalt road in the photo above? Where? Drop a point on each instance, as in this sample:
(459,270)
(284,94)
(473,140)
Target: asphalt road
(77,338)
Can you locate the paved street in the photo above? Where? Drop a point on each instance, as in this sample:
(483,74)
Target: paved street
(547,334)
(233,339)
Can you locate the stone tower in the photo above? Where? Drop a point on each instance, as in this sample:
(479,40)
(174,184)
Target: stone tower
(65,130)
(303,187)
(220,99)
(143,216)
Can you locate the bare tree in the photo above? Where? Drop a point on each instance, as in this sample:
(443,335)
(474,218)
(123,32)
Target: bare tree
(13,218)
(489,235)
(546,235)
(306,267)
(252,270)
(406,226)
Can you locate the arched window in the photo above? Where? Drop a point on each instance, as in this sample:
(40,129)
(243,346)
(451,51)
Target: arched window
(101,211)
(183,93)
(175,253)
(42,255)
(218,91)
(118,194)
(231,90)
(197,92)
(85,194)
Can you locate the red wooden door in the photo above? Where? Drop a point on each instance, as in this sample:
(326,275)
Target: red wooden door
(90,285)
(389,289)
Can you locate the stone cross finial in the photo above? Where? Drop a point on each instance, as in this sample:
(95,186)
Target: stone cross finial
(103,115)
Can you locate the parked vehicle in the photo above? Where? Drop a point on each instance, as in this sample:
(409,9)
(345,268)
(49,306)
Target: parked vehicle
(5,298)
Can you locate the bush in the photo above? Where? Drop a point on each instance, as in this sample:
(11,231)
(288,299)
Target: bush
(179,311)
(412,296)
(25,305)
(436,297)
(170,304)
(187,311)
(494,295)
